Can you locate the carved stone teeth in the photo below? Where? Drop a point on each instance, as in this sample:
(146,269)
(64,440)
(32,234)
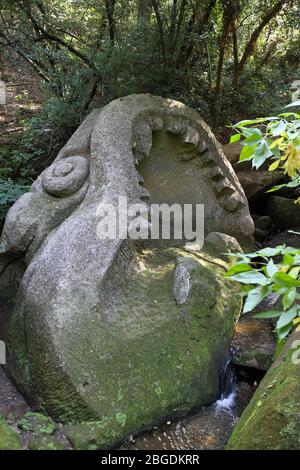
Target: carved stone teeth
(157,123)
(232,203)
(191,137)
(202,147)
(143,137)
(215,173)
(222,185)
(186,156)
(176,125)
(206,158)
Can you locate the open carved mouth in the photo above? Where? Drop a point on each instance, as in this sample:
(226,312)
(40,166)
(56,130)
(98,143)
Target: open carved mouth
(194,145)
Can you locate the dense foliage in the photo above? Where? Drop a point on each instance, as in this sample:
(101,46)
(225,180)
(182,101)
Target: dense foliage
(274,138)
(217,55)
(226,58)
(271,271)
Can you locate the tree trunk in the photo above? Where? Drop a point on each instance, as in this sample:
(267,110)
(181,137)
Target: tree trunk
(160,30)
(250,46)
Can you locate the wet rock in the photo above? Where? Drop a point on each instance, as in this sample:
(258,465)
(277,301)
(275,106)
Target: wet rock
(284,212)
(253,342)
(9,439)
(208,428)
(271,421)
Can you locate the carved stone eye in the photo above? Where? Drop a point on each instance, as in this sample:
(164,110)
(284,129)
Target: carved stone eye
(65,176)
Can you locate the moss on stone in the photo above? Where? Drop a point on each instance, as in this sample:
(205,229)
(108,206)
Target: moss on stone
(9,439)
(45,443)
(141,357)
(37,423)
(272,418)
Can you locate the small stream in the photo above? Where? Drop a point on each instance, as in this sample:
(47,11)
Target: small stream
(208,428)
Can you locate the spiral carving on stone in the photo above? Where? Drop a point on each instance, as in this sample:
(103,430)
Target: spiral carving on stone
(65,177)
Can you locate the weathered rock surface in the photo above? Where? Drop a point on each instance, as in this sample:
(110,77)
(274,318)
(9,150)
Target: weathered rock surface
(284,212)
(253,343)
(256,183)
(102,325)
(271,421)
(222,244)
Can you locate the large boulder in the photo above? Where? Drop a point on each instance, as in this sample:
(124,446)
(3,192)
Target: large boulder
(112,331)
(271,421)
(284,212)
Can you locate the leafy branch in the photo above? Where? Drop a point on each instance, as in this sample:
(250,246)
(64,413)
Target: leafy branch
(272,138)
(271,271)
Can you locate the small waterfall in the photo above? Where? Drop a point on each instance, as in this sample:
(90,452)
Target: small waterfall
(227,383)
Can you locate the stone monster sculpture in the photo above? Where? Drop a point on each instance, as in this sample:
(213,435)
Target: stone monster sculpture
(107,333)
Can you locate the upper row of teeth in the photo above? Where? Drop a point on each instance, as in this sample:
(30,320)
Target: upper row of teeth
(194,146)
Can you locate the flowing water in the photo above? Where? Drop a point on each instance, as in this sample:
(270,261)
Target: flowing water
(208,428)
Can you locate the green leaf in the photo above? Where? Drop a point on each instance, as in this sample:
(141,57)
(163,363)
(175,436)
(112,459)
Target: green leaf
(268,314)
(294,104)
(286,318)
(247,153)
(261,154)
(254,136)
(269,251)
(251,277)
(294,272)
(247,122)
(288,259)
(289,298)
(285,280)
(276,188)
(277,128)
(235,138)
(283,332)
(238,268)
(254,297)
(271,268)
(287,115)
